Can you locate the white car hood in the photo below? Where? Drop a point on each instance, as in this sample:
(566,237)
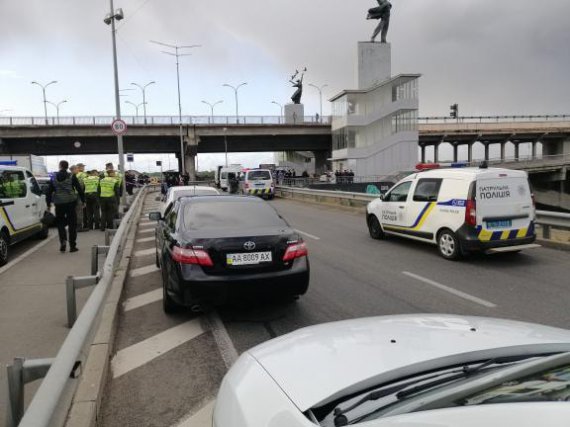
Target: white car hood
(318,364)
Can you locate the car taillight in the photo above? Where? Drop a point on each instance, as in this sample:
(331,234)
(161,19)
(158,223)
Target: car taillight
(296,250)
(471,213)
(191,256)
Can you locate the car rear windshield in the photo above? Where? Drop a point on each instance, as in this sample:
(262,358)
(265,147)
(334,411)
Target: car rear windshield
(259,175)
(186,193)
(230,214)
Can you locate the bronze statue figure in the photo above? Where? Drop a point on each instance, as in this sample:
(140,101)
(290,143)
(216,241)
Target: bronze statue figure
(296,98)
(382,12)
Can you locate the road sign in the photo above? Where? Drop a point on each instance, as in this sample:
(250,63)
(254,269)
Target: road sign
(130,157)
(119,127)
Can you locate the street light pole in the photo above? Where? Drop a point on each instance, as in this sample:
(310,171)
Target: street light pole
(136,106)
(212,109)
(280,109)
(143,90)
(320,89)
(235,89)
(44,96)
(112,16)
(177,54)
(57,107)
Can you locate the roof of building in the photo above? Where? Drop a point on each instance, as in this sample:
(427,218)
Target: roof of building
(396,80)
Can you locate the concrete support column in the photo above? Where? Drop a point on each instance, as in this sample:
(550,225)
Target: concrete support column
(503,150)
(487,151)
(191,144)
(436,152)
(516,151)
(534,144)
(455,152)
(321,162)
(190,165)
(423,155)
(470,152)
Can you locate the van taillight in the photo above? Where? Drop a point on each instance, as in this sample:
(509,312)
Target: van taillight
(191,256)
(471,213)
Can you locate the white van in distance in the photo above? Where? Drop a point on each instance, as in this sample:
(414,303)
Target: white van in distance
(460,210)
(258,182)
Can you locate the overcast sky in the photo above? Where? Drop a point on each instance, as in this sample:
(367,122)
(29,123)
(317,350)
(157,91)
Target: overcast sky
(489,56)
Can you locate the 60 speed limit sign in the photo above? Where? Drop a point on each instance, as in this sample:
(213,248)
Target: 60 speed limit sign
(119,127)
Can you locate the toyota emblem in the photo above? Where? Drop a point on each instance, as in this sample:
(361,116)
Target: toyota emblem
(249,246)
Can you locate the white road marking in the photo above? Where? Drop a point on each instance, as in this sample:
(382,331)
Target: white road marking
(145,351)
(144,223)
(147,230)
(27,253)
(225,345)
(145,252)
(451,290)
(202,418)
(141,271)
(145,239)
(142,300)
(307,234)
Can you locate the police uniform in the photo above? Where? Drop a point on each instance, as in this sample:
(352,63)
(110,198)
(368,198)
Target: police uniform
(92,209)
(108,200)
(79,208)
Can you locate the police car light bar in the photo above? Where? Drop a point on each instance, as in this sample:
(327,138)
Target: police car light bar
(8,163)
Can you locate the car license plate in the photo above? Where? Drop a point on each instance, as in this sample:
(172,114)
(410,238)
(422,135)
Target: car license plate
(251,258)
(499,224)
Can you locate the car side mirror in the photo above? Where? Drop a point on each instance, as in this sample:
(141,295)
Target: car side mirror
(154,216)
(381,196)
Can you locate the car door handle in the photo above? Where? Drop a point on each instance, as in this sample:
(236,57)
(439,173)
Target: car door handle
(27,206)
(401,207)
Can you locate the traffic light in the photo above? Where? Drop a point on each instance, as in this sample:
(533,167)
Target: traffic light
(454,111)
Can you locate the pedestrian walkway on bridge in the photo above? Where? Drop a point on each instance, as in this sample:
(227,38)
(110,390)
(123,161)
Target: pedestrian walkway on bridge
(33,320)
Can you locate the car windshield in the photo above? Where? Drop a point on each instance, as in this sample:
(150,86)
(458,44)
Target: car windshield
(259,175)
(196,192)
(230,215)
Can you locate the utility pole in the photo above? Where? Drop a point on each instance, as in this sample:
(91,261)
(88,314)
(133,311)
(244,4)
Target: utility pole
(177,54)
(112,16)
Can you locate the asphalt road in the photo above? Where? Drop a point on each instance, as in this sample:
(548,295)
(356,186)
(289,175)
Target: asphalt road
(352,276)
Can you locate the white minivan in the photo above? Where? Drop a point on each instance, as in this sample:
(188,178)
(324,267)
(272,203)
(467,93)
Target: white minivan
(459,210)
(258,182)
(22,208)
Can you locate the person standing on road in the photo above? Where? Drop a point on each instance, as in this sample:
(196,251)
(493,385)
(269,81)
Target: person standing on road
(64,191)
(108,199)
(92,209)
(81,175)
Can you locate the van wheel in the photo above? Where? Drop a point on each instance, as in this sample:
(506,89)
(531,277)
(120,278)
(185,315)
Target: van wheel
(44,233)
(374,228)
(448,245)
(3,248)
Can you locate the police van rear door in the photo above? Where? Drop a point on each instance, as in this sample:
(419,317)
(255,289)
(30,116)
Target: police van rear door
(504,202)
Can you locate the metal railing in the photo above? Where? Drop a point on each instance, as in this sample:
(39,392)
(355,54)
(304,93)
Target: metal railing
(160,120)
(495,119)
(51,402)
(552,220)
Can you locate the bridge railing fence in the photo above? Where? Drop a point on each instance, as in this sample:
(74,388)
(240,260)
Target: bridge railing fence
(158,120)
(494,119)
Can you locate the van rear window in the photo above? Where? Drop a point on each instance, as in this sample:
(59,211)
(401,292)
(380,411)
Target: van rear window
(258,175)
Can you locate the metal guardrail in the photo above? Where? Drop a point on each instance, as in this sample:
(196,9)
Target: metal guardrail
(495,119)
(51,402)
(546,219)
(158,120)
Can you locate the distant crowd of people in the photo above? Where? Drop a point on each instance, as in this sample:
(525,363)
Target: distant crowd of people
(344,177)
(173,180)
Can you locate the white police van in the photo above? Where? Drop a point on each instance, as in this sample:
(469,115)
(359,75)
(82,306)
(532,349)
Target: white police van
(258,182)
(22,208)
(459,210)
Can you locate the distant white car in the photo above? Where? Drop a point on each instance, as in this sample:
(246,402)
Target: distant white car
(175,193)
(403,371)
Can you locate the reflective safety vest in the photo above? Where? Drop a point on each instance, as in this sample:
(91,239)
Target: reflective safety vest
(91,184)
(81,176)
(118,176)
(108,186)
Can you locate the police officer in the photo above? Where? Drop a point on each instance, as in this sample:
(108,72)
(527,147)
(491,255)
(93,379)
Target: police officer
(92,209)
(81,214)
(64,191)
(108,198)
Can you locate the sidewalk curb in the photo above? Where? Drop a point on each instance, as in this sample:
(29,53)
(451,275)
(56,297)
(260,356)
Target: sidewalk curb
(553,244)
(86,405)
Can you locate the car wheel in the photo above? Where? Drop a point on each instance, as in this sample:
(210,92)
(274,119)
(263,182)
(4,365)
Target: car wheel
(44,233)
(168,306)
(3,248)
(448,245)
(374,228)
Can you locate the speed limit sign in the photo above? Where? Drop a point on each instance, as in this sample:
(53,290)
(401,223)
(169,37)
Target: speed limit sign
(119,127)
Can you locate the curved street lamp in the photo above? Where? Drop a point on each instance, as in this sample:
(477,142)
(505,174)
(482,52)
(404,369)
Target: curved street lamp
(212,108)
(320,89)
(280,109)
(143,90)
(57,107)
(136,106)
(235,89)
(44,94)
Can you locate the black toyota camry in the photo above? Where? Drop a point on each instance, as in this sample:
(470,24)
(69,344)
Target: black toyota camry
(213,248)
